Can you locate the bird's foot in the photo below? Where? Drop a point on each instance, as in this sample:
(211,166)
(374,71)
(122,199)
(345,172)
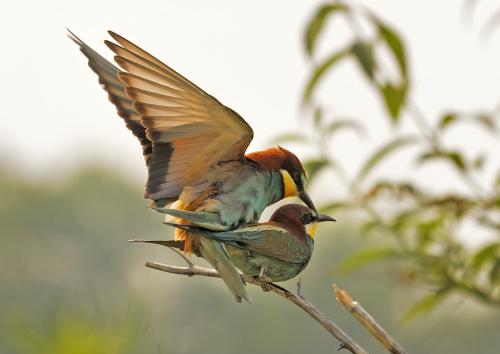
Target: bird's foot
(265,283)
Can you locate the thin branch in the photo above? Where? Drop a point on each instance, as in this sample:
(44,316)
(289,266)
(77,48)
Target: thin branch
(297,299)
(357,310)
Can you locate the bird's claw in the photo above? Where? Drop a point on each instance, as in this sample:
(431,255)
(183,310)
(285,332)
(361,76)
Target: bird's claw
(265,283)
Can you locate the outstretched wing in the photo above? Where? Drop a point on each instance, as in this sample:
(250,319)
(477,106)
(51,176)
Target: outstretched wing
(268,239)
(190,130)
(108,78)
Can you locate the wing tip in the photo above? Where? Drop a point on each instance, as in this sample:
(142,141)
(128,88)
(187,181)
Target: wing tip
(117,37)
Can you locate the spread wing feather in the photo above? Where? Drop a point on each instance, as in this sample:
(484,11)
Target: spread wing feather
(184,131)
(190,130)
(108,78)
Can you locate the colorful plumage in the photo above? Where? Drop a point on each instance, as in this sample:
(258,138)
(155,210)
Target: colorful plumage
(194,148)
(276,250)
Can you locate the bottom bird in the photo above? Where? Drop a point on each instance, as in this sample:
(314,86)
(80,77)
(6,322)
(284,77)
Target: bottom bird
(276,250)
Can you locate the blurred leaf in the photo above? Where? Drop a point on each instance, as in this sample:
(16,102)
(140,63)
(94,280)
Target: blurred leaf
(483,119)
(318,116)
(394,98)
(342,124)
(316,24)
(397,189)
(289,138)
(406,218)
(496,183)
(487,121)
(454,157)
(363,52)
(395,44)
(426,231)
(313,167)
(495,272)
(479,162)
(368,256)
(75,334)
(334,206)
(320,70)
(382,153)
(424,305)
(369,226)
(485,254)
(492,24)
(446,120)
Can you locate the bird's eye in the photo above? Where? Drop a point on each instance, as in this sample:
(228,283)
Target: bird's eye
(307,219)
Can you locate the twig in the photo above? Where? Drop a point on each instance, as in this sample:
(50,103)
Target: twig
(357,310)
(299,300)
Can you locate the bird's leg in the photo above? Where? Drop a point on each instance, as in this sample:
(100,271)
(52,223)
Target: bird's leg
(265,280)
(299,288)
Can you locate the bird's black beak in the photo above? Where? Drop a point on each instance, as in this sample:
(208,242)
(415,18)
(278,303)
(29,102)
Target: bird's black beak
(322,217)
(307,200)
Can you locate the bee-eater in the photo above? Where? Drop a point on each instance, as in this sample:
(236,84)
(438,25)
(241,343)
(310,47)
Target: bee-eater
(276,250)
(194,148)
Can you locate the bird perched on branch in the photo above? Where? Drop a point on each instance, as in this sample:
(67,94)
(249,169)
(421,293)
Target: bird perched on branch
(276,250)
(194,148)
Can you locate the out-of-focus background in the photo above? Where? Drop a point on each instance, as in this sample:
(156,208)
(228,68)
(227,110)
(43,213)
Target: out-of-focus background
(393,106)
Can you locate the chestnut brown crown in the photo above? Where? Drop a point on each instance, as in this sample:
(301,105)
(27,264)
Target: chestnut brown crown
(278,158)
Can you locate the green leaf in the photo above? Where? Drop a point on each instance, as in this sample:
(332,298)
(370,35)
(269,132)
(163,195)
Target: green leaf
(313,167)
(446,120)
(317,23)
(369,226)
(496,183)
(485,254)
(368,256)
(289,138)
(363,52)
(479,162)
(454,157)
(320,70)
(395,44)
(318,116)
(424,305)
(382,153)
(495,272)
(457,159)
(486,121)
(394,97)
(342,124)
(334,206)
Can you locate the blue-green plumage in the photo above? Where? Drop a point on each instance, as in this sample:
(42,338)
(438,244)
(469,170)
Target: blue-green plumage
(277,250)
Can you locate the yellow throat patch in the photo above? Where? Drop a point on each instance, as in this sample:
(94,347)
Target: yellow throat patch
(311,229)
(289,185)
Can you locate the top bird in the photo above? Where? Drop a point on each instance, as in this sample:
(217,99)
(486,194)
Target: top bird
(194,148)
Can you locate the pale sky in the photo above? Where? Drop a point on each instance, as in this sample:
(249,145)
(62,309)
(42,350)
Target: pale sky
(248,54)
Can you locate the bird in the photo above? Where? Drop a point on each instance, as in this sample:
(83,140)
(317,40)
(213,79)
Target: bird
(195,151)
(276,250)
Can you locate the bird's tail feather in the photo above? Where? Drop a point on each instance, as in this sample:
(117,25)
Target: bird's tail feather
(217,256)
(168,243)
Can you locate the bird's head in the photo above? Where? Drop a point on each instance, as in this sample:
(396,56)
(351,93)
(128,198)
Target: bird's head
(299,217)
(291,169)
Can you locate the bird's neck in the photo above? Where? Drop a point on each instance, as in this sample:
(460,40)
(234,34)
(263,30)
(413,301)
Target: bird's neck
(268,163)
